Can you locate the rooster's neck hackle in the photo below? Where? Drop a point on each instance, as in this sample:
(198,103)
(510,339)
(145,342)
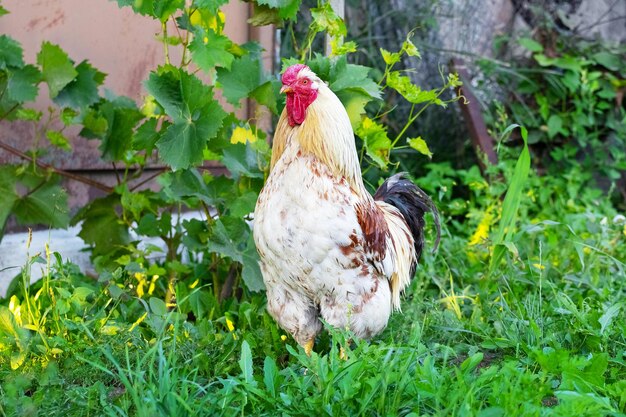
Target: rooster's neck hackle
(327,134)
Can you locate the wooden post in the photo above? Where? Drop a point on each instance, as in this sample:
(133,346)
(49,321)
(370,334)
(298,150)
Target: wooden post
(483,143)
(339,7)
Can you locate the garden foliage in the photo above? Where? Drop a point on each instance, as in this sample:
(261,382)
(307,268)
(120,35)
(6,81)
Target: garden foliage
(520,313)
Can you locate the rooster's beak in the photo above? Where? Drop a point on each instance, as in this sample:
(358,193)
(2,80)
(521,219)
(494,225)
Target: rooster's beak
(285,89)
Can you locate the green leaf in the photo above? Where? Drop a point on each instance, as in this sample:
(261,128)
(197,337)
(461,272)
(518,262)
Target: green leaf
(211,5)
(196,116)
(412,93)
(245,362)
(45,203)
(511,201)
(220,242)
(555,124)
(135,202)
(100,215)
(3,11)
(83,90)
(354,101)
(241,159)
(531,45)
(287,9)
(244,204)
(158,306)
(121,116)
(57,69)
(10,53)
(146,136)
(8,181)
(377,143)
(325,19)
(182,144)
(266,94)
(351,76)
(22,84)
(144,7)
(210,50)
(163,9)
(608,60)
(95,125)
(420,145)
(251,272)
(59,140)
(270,376)
(263,15)
(390,58)
(243,77)
(608,316)
(410,49)
(68,116)
(28,114)
(17,359)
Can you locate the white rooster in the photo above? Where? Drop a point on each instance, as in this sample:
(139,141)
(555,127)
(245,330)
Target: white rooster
(328,248)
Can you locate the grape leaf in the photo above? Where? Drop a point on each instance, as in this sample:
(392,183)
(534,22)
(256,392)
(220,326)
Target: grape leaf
(10,53)
(57,69)
(344,76)
(263,15)
(146,136)
(83,90)
(45,203)
(22,84)
(209,50)
(7,190)
(144,7)
(266,94)
(325,19)
(163,9)
(94,124)
(196,116)
(411,92)
(220,240)
(420,145)
(101,226)
(121,116)
(390,58)
(58,139)
(287,9)
(241,160)
(243,77)
(354,101)
(211,5)
(377,143)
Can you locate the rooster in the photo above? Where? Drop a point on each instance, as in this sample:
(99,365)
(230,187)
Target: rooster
(328,248)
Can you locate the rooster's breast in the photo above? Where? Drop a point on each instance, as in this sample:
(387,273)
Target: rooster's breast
(304,220)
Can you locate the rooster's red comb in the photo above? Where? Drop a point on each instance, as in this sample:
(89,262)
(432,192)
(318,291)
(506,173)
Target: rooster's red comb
(291,73)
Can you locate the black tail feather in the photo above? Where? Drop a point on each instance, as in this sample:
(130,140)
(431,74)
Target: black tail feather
(412,203)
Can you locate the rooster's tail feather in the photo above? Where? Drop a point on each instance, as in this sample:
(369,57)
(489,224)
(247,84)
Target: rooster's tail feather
(412,203)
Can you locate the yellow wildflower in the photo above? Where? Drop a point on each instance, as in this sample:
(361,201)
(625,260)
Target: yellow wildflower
(230,325)
(482,231)
(242,135)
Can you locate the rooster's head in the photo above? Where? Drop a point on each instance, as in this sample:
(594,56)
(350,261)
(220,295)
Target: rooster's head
(301,86)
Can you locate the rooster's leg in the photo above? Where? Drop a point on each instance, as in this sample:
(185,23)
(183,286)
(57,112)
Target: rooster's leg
(308,346)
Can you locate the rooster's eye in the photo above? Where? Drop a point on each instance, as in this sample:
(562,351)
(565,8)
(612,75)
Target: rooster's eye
(305,81)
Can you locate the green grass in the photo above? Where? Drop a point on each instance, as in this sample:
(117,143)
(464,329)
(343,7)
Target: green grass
(543,334)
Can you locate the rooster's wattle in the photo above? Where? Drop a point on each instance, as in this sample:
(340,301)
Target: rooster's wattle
(328,248)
